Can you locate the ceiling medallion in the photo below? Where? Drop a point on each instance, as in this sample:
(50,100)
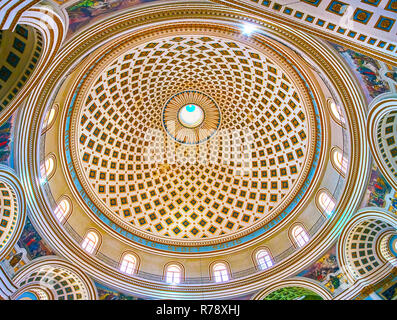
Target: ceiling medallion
(191,117)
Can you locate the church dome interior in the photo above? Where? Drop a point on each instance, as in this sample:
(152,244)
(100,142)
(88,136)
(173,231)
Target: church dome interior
(198,150)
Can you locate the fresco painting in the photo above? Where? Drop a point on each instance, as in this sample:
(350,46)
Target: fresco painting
(336,281)
(6,143)
(392,75)
(367,71)
(33,242)
(390,293)
(323,267)
(386,289)
(393,203)
(105,293)
(325,270)
(379,192)
(86,11)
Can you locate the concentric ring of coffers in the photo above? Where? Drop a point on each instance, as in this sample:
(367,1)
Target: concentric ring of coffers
(382,132)
(12,210)
(244,177)
(104,261)
(53,278)
(364,246)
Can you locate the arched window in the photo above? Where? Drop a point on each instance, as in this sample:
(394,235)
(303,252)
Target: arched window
(90,242)
(173,274)
(300,236)
(220,272)
(128,264)
(338,160)
(62,209)
(337,112)
(49,118)
(47,168)
(264,259)
(326,202)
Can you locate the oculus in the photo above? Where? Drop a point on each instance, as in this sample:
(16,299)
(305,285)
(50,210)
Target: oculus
(191,117)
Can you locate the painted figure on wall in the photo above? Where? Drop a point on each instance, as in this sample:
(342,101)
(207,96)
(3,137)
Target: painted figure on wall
(367,71)
(323,267)
(390,293)
(105,293)
(15,259)
(85,11)
(6,142)
(393,202)
(326,271)
(33,243)
(392,75)
(377,190)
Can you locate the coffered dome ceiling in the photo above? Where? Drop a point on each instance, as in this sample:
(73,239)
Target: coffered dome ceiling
(155,177)
(178,138)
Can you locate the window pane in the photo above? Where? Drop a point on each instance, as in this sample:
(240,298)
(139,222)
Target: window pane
(49,118)
(220,273)
(264,260)
(300,236)
(128,264)
(326,202)
(47,168)
(173,275)
(90,242)
(339,160)
(337,112)
(62,210)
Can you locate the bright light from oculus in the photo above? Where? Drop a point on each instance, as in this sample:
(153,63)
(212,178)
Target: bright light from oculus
(248,29)
(191,115)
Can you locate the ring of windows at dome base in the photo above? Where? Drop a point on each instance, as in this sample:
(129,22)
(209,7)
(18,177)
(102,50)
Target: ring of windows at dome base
(298,235)
(174,272)
(220,271)
(339,160)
